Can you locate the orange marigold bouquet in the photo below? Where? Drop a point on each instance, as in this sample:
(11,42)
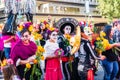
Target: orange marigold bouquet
(102,44)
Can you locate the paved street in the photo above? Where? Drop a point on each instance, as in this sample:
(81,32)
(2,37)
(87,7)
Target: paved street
(100,73)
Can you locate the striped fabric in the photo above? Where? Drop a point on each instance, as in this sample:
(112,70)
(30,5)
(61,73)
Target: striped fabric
(20,6)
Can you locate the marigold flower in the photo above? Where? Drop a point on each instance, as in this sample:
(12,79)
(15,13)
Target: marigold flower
(51,28)
(102,34)
(30,28)
(20,28)
(28,65)
(38,36)
(42,58)
(41,49)
(105,44)
(4,62)
(68,36)
(35,61)
(47,25)
(98,38)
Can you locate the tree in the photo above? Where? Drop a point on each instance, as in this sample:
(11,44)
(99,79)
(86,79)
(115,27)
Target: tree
(109,8)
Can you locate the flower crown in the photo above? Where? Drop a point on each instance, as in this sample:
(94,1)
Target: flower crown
(27,25)
(51,29)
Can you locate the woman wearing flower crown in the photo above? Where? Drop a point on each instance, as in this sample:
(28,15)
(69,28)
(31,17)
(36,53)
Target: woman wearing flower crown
(23,53)
(53,69)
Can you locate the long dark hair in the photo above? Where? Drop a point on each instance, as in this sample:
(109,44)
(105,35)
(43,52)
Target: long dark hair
(107,30)
(25,30)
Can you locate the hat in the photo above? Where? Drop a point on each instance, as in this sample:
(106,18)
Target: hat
(67,21)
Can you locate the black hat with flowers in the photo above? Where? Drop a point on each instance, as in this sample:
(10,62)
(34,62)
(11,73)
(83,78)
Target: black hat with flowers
(67,21)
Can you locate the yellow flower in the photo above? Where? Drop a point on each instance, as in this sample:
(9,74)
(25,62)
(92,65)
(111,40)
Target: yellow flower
(106,44)
(102,34)
(98,38)
(4,62)
(42,58)
(68,36)
(35,61)
(20,28)
(38,36)
(28,65)
(47,26)
(30,28)
(51,28)
(40,49)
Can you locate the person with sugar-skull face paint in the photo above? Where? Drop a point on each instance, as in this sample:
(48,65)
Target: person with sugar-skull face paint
(66,27)
(53,68)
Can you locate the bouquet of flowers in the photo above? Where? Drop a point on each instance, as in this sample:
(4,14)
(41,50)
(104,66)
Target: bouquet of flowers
(36,66)
(59,52)
(102,44)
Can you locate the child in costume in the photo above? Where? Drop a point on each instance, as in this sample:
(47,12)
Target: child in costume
(53,68)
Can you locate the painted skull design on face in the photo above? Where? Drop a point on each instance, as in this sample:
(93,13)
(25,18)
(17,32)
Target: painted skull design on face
(53,36)
(67,29)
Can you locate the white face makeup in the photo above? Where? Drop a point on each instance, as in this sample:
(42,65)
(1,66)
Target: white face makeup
(67,29)
(53,36)
(87,31)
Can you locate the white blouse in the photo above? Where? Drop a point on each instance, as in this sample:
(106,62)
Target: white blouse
(50,48)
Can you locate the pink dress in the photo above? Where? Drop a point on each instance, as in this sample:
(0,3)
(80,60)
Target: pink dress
(53,68)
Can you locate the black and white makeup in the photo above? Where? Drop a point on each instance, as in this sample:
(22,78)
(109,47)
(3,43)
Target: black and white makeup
(53,36)
(67,29)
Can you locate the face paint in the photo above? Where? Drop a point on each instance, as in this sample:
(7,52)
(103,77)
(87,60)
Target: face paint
(26,37)
(53,36)
(67,29)
(88,32)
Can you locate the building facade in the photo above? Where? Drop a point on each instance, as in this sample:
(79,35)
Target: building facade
(80,9)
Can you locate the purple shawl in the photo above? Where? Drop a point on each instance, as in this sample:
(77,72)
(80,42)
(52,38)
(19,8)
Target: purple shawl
(23,51)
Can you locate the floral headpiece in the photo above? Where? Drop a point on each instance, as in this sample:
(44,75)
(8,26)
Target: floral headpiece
(27,25)
(51,29)
(44,24)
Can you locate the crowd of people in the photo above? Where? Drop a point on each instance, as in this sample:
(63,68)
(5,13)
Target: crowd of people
(58,63)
